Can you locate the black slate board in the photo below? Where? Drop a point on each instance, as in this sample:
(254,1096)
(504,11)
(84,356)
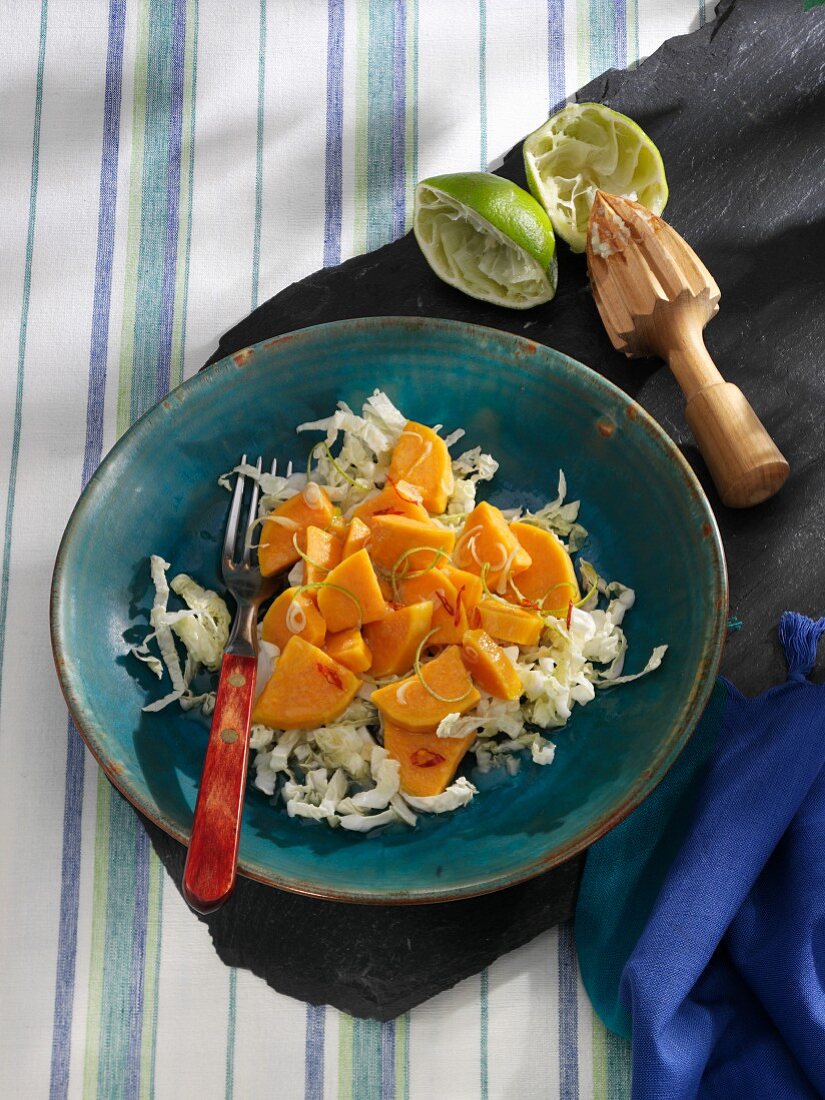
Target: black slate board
(738,112)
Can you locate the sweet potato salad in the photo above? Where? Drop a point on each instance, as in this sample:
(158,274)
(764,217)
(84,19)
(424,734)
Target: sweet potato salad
(418,626)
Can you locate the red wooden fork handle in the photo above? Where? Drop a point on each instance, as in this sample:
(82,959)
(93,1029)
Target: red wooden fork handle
(209,875)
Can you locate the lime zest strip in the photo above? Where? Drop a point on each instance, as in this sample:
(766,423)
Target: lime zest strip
(396,576)
(431,690)
(305,557)
(335,465)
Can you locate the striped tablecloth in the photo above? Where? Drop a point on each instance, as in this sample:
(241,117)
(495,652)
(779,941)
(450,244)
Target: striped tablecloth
(166,165)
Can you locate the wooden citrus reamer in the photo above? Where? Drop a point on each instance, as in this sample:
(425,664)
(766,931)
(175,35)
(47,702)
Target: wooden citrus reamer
(655,297)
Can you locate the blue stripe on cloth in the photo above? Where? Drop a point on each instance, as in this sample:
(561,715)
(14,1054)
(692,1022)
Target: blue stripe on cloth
(314,1052)
(21,347)
(167,296)
(75,752)
(399,119)
(333,179)
(568,1016)
(259,154)
(129,848)
(484,1028)
(482,83)
(557,83)
(388,1060)
(619,34)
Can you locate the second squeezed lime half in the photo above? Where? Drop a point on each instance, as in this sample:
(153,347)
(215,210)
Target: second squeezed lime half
(588,147)
(488,237)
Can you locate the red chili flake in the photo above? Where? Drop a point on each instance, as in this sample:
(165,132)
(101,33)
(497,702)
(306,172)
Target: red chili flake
(569,613)
(445,603)
(393,605)
(330,675)
(426,758)
(388,512)
(476,618)
(457,618)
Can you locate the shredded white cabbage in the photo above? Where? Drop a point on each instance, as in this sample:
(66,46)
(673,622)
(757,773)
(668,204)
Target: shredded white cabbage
(340,774)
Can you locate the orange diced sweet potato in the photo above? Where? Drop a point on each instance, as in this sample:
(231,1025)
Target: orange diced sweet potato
(550,579)
(428,762)
(356,575)
(421,459)
(349,648)
(307,689)
(486,538)
(293,613)
(393,640)
(507,623)
(410,704)
(490,666)
(310,507)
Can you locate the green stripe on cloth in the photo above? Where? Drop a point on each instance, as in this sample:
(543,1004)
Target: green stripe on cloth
(411,160)
(379,123)
(231,1016)
(154,929)
(482,83)
(402,1057)
(346,1027)
(633,33)
(583,64)
(99,892)
(484,1032)
(24,325)
(361,127)
(259,153)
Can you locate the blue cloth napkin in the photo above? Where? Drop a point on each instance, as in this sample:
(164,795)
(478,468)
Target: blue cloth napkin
(700,924)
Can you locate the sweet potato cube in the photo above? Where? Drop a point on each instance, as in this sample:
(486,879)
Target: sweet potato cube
(389,502)
(469,584)
(394,536)
(393,640)
(310,507)
(323,551)
(349,648)
(486,538)
(307,689)
(358,535)
(410,704)
(420,458)
(490,666)
(293,612)
(507,623)
(428,762)
(356,575)
(550,579)
(449,613)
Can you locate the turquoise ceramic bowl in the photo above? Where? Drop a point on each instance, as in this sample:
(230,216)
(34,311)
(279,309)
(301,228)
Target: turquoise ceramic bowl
(536,411)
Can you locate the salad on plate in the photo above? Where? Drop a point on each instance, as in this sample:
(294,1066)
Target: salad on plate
(418,626)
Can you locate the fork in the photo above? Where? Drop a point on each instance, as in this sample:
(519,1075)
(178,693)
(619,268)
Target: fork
(209,875)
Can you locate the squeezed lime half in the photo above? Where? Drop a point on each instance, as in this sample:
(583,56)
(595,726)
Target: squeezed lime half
(487,237)
(588,147)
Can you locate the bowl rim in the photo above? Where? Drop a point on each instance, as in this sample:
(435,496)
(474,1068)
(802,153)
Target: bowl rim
(670,748)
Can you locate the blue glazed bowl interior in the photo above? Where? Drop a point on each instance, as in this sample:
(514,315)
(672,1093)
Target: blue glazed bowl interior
(535,411)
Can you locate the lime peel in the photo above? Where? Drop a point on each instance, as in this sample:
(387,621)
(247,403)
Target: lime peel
(488,237)
(417,669)
(588,147)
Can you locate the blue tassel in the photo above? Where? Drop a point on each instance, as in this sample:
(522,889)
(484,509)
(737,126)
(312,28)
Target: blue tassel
(798,636)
